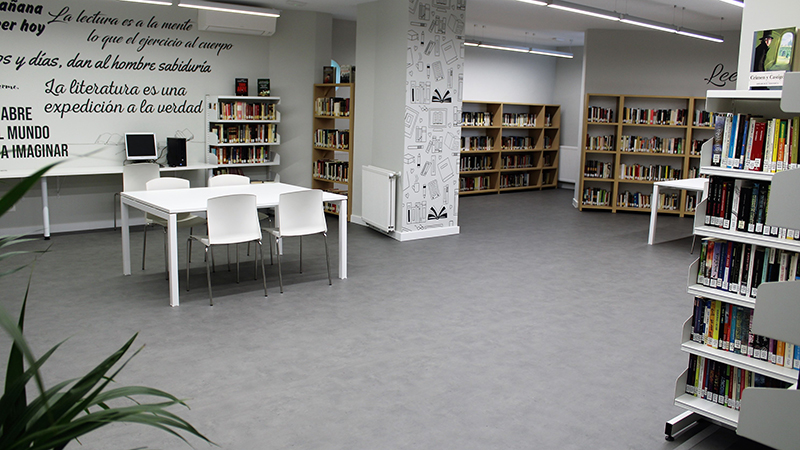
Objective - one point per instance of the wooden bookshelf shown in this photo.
(241, 133)
(630, 142)
(783, 219)
(508, 147)
(332, 145)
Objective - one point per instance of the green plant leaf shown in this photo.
(18, 191)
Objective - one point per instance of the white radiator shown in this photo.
(378, 196)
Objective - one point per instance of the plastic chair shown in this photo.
(232, 219)
(300, 214)
(184, 220)
(134, 178)
(228, 179)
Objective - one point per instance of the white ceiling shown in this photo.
(510, 21)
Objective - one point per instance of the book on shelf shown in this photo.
(755, 143)
(328, 74)
(773, 55)
(241, 86)
(263, 87)
(347, 74)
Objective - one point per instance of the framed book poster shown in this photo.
(773, 54)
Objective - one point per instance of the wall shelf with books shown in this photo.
(242, 132)
(750, 234)
(332, 144)
(632, 142)
(513, 145)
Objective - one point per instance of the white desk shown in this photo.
(168, 203)
(63, 170)
(691, 184)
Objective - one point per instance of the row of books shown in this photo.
(746, 142)
(339, 139)
(696, 147)
(515, 180)
(517, 143)
(593, 196)
(332, 106)
(603, 143)
(242, 110)
(245, 133)
(728, 327)
(474, 183)
(242, 155)
(476, 143)
(331, 170)
(642, 116)
(742, 205)
(669, 201)
(600, 115)
(723, 384)
(519, 120)
(629, 199)
(655, 144)
(476, 119)
(516, 161)
(704, 118)
(598, 169)
(476, 162)
(652, 172)
(741, 268)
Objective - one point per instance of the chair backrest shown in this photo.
(135, 176)
(167, 183)
(228, 179)
(301, 213)
(233, 218)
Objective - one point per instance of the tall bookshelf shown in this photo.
(783, 217)
(241, 134)
(332, 149)
(632, 141)
(508, 147)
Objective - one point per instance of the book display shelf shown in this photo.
(633, 141)
(508, 147)
(241, 133)
(334, 119)
(750, 231)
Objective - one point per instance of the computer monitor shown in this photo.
(141, 147)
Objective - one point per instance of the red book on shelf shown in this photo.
(757, 152)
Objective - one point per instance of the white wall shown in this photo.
(500, 76)
(86, 202)
(762, 15)
(344, 41)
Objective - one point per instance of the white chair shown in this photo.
(228, 179)
(300, 214)
(184, 220)
(232, 219)
(134, 178)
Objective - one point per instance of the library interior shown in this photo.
(490, 224)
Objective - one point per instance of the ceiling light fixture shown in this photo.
(231, 8)
(151, 2)
(699, 35)
(630, 20)
(534, 2)
(585, 10)
(534, 51)
(738, 3)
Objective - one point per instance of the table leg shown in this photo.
(45, 209)
(126, 238)
(343, 239)
(653, 215)
(172, 231)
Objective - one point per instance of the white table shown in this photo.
(168, 203)
(63, 170)
(699, 185)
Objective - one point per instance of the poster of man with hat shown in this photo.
(773, 52)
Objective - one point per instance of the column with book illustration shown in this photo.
(241, 133)
(332, 149)
(750, 228)
(633, 141)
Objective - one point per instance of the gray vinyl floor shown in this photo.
(537, 327)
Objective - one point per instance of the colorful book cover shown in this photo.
(263, 87)
(241, 86)
(773, 55)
